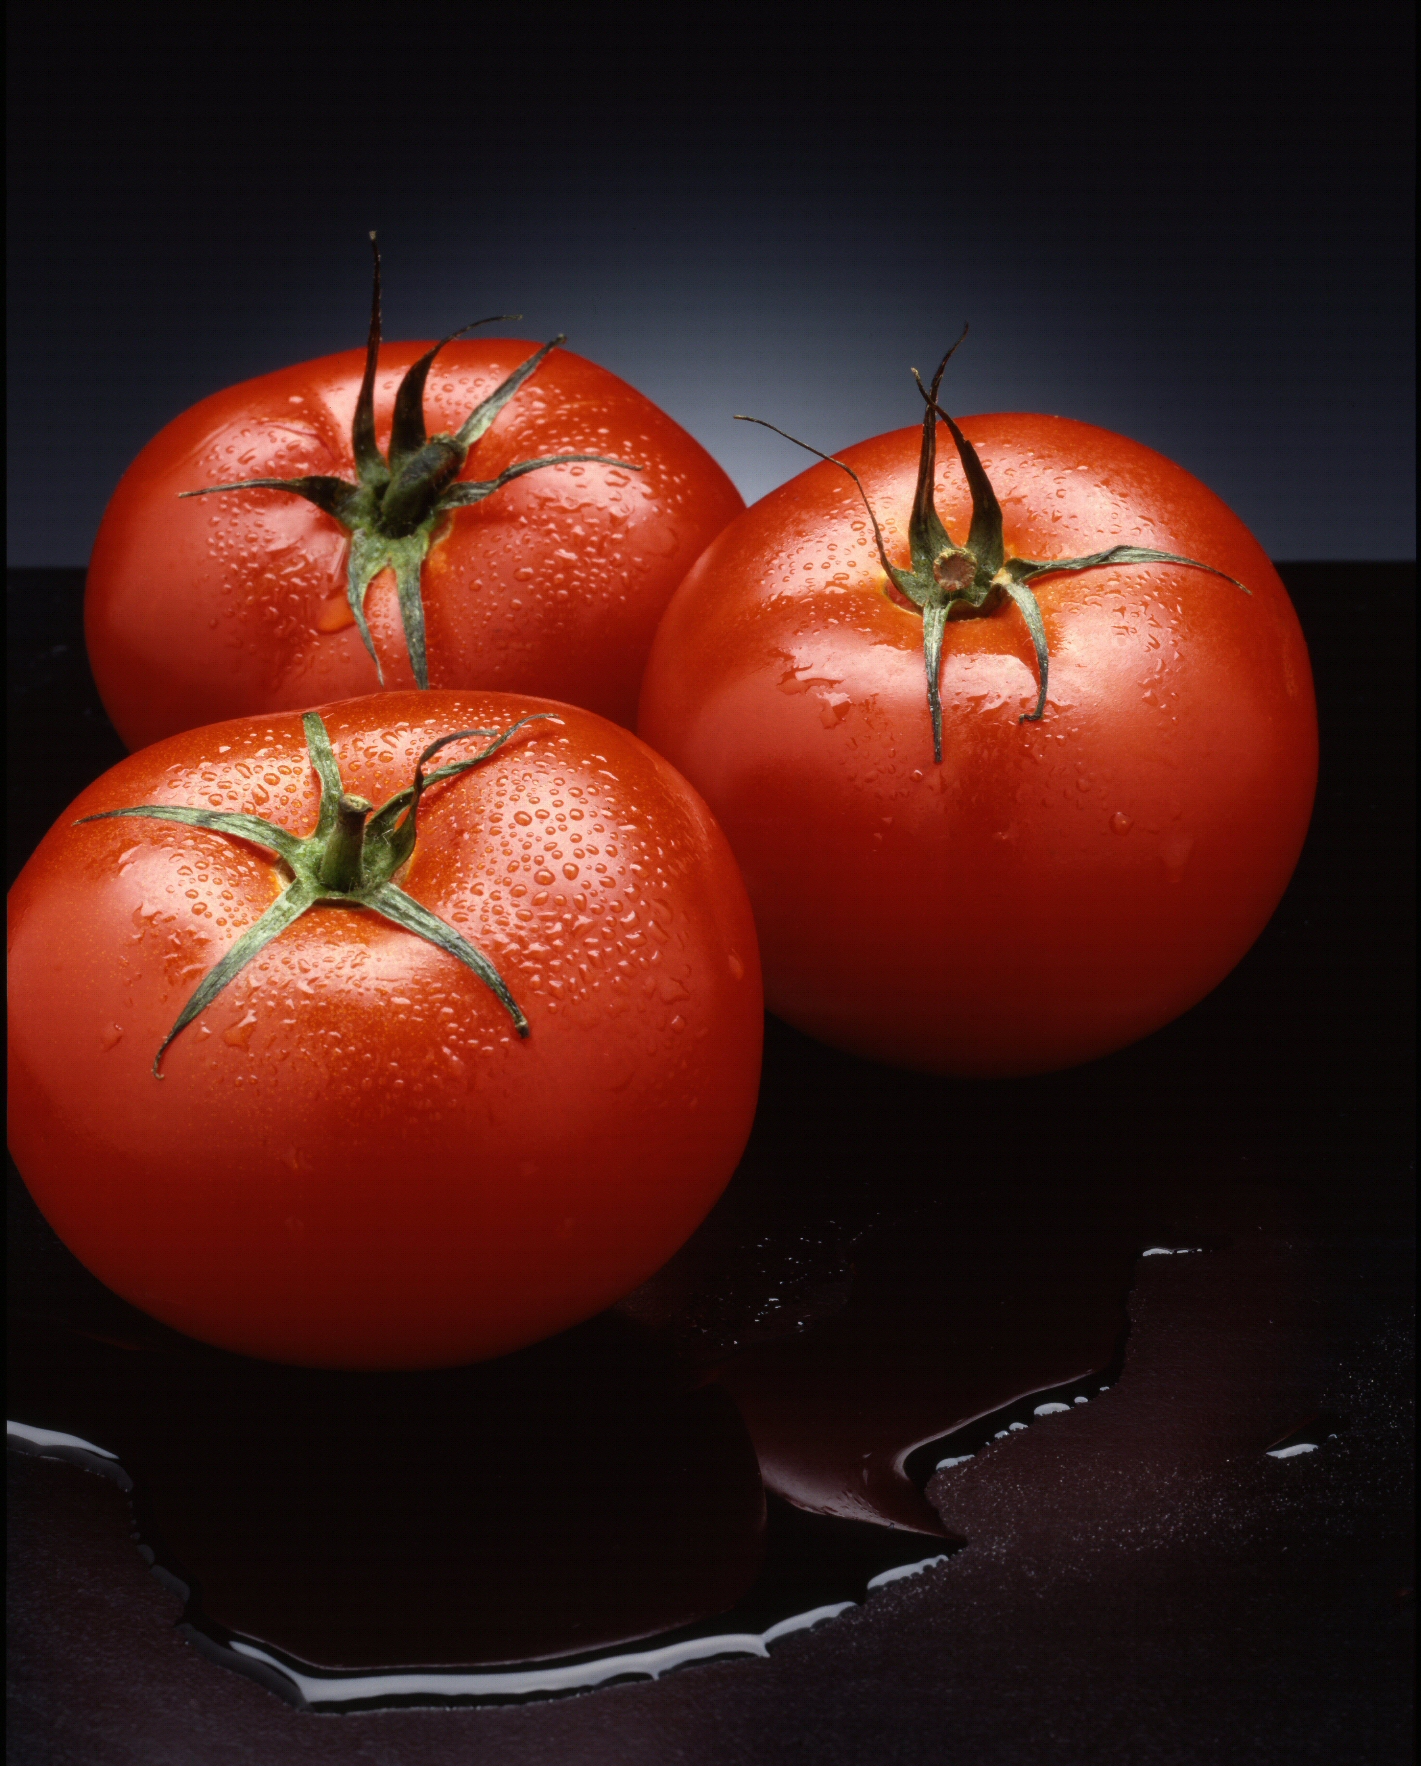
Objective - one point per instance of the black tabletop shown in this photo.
(1154, 1577)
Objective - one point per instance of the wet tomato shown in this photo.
(311, 1086)
(472, 514)
(1077, 823)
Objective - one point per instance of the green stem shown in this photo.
(341, 861)
(392, 509)
(349, 860)
(947, 581)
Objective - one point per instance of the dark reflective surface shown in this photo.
(848, 1316)
(606, 1487)
(896, 1257)
(568, 1499)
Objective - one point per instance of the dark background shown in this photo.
(1189, 227)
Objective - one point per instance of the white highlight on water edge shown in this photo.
(54, 1438)
(1172, 1251)
(651, 1663)
(1292, 1452)
(884, 1577)
(341, 1689)
(1052, 1408)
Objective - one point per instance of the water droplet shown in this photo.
(737, 968)
(1120, 823)
(109, 1036)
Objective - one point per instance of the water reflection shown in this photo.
(738, 1450)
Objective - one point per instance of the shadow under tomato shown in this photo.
(862, 1299)
(566, 1499)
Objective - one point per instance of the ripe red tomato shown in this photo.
(1051, 888)
(353, 1158)
(206, 607)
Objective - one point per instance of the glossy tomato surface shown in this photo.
(235, 604)
(352, 1159)
(1051, 890)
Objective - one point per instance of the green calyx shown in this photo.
(349, 861)
(395, 504)
(947, 581)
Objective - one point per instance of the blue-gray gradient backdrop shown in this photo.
(1189, 226)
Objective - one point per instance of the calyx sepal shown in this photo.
(395, 505)
(349, 860)
(946, 581)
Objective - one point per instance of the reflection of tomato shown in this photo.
(352, 1158)
(233, 605)
(1052, 889)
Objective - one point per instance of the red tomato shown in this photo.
(208, 607)
(1049, 890)
(353, 1158)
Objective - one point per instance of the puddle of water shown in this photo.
(735, 1454)
(596, 1508)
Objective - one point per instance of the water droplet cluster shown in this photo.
(562, 873)
(516, 588)
(277, 560)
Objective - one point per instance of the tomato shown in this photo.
(1074, 869)
(484, 1084)
(502, 570)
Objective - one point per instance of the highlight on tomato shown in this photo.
(485, 514)
(398, 1036)
(1017, 754)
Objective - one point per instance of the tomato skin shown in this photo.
(1053, 890)
(352, 1160)
(233, 605)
